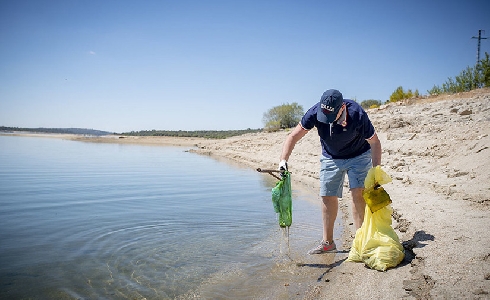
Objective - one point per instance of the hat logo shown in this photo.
(327, 109)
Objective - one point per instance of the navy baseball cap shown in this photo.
(330, 104)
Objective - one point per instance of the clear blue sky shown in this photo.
(217, 65)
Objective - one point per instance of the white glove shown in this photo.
(283, 165)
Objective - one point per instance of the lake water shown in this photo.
(111, 221)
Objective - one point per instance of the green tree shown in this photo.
(416, 94)
(400, 94)
(283, 116)
(484, 70)
(435, 90)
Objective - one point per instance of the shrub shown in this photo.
(400, 94)
(370, 103)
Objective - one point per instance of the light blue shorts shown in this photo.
(332, 173)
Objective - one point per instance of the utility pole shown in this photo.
(479, 42)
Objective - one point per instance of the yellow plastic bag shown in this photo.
(374, 195)
(376, 242)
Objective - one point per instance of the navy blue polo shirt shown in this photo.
(342, 140)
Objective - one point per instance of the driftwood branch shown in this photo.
(271, 172)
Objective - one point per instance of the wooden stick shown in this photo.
(270, 171)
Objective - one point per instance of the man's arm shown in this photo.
(295, 135)
(375, 149)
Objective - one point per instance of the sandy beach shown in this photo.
(437, 151)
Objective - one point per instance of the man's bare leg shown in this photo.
(329, 213)
(358, 207)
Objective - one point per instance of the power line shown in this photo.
(479, 42)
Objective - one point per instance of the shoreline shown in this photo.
(438, 155)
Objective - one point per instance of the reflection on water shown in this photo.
(91, 221)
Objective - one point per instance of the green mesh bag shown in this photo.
(282, 200)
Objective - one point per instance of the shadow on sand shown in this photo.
(415, 242)
(328, 267)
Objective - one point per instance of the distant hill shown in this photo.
(82, 131)
(209, 134)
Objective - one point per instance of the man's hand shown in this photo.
(283, 165)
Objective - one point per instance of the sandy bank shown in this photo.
(437, 150)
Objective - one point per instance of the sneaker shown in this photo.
(324, 247)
